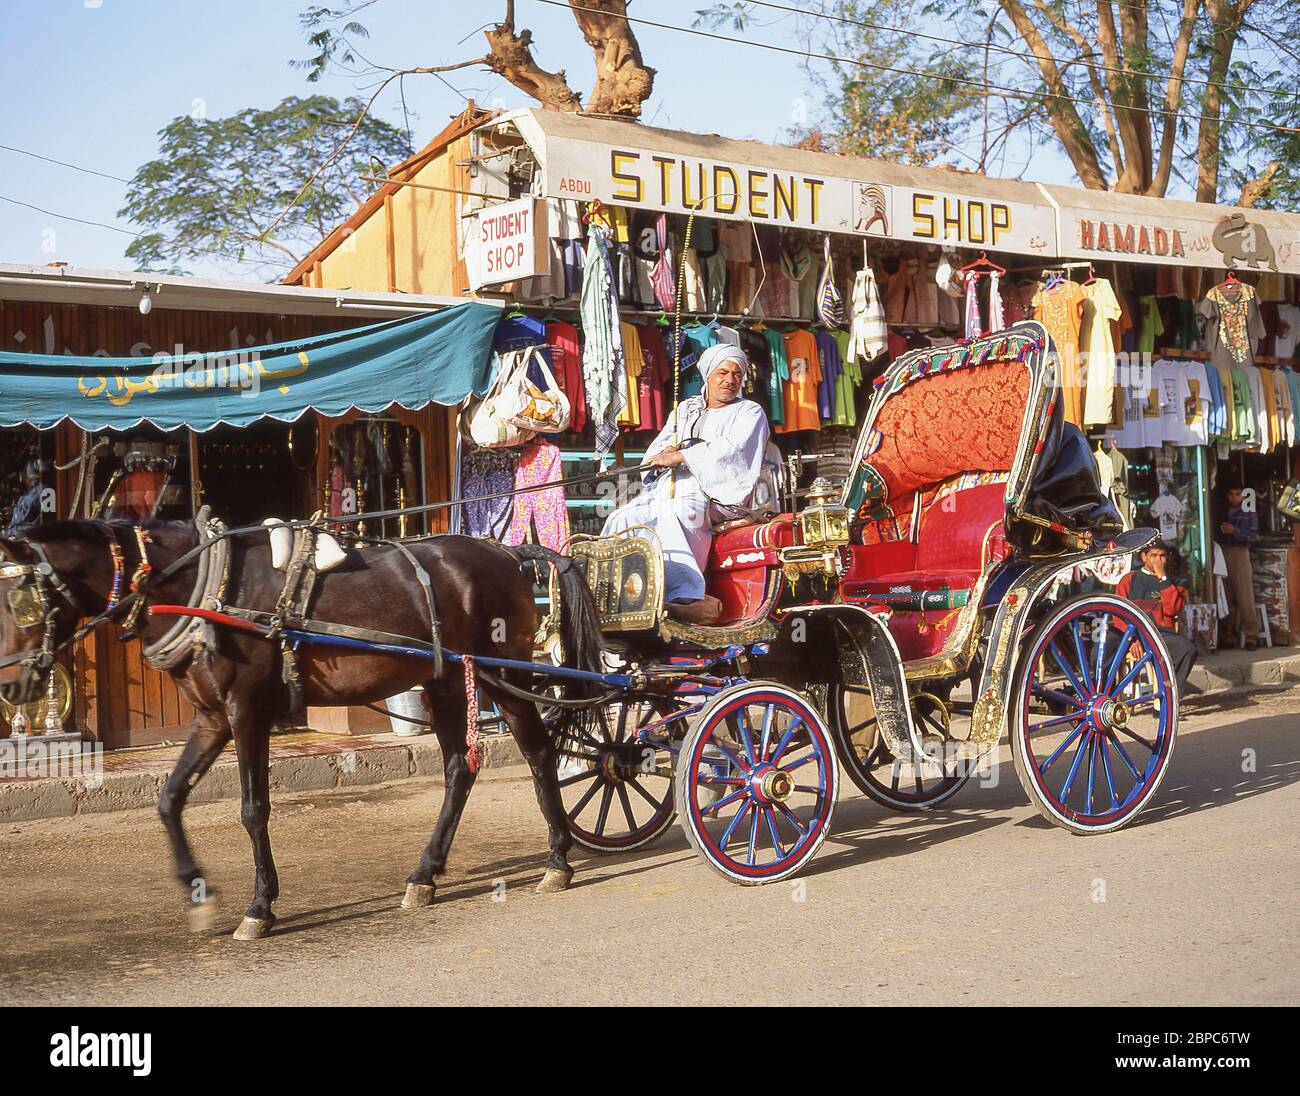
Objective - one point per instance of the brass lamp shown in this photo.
(824, 523)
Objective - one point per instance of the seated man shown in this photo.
(1154, 591)
(707, 461)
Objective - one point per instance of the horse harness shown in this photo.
(29, 605)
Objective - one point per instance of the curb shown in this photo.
(48, 797)
(381, 763)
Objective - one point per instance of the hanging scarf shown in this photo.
(603, 370)
(997, 317)
(972, 305)
(661, 278)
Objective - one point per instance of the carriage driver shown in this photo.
(707, 468)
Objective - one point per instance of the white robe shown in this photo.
(720, 471)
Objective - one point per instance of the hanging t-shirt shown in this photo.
(1287, 335)
(566, 364)
(633, 364)
(845, 411)
(1259, 407)
(1097, 349)
(1168, 510)
(780, 373)
(828, 358)
(801, 389)
(1198, 411)
(654, 389)
(1171, 379)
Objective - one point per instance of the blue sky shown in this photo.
(92, 81)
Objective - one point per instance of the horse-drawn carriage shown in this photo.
(896, 625)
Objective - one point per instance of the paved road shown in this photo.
(980, 903)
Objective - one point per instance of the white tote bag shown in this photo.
(524, 405)
(481, 420)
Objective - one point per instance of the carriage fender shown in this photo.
(867, 655)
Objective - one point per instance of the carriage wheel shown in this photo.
(617, 790)
(1095, 714)
(894, 783)
(756, 782)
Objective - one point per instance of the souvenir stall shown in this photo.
(253, 433)
(823, 268)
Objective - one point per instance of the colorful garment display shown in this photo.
(1233, 324)
(487, 472)
(545, 512)
(602, 348)
(1059, 308)
(800, 395)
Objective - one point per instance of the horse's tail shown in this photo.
(579, 620)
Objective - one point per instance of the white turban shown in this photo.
(718, 353)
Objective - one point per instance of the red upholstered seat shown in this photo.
(740, 563)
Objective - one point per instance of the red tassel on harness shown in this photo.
(475, 750)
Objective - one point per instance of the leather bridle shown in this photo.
(31, 605)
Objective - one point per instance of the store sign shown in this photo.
(1235, 241)
(625, 175)
(505, 243)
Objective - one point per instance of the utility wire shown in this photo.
(129, 232)
(1015, 93)
(64, 163)
(998, 48)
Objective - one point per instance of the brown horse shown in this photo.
(64, 571)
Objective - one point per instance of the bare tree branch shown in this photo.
(1261, 186)
(1174, 95)
(512, 57)
(623, 83)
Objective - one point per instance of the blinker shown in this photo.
(27, 606)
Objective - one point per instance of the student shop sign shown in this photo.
(504, 243)
(676, 183)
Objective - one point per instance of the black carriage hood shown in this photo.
(1065, 487)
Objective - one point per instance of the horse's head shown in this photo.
(37, 612)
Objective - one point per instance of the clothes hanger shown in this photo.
(515, 313)
(662, 319)
(1092, 275)
(984, 265)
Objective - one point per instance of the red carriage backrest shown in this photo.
(945, 424)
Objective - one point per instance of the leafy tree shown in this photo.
(225, 187)
(1140, 95)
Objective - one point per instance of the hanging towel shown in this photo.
(602, 349)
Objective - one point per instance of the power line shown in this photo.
(129, 232)
(996, 48)
(1015, 93)
(64, 163)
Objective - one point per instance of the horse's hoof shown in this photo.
(418, 895)
(555, 879)
(254, 928)
(203, 916)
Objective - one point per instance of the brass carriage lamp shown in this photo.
(824, 522)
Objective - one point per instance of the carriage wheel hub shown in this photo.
(1112, 715)
(774, 785)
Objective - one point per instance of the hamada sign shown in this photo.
(672, 182)
(506, 242)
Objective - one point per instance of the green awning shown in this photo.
(413, 361)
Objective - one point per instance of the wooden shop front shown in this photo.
(245, 473)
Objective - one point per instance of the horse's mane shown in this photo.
(55, 531)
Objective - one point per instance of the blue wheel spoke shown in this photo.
(1137, 738)
(793, 819)
(1061, 748)
(1144, 699)
(1119, 657)
(1058, 720)
(1133, 672)
(771, 827)
(1074, 770)
(767, 731)
(1082, 693)
(730, 756)
(795, 724)
(713, 808)
(1079, 654)
(802, 761)
(1110, 780)
(742, 724)
(1101, 648)
(1123, 753)
(735, 821)
(1092, 773)
(753, 835)
(1043, 692)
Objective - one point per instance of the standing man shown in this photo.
(1238, 531)
(1163, 600)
